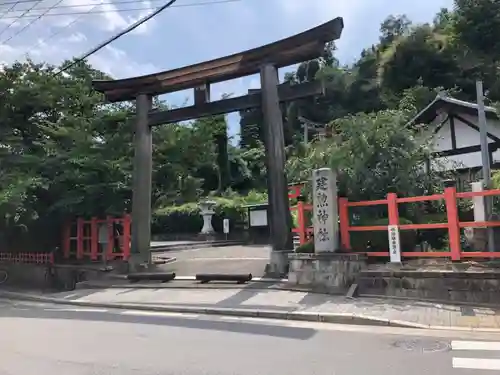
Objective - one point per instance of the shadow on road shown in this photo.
(253, 328)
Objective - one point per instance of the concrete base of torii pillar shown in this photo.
(278, 263)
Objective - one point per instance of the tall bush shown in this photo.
(186, 218)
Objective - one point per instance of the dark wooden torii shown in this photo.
(264, 60)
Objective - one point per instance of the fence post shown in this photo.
(450, 197)
(126, 236)
(301, 222)
(393, 228)
(344, 223)
(79, 238)
(93, 238)
(66, 244)
(108, 252)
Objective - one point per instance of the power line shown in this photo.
(13, 22)
(59, 31)
(12, 7)
(124, 10)
(19, 2)
(31, 22)
(120, 34)
(118, 2)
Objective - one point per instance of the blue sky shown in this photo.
(193, 31)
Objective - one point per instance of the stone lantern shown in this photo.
(207, 211)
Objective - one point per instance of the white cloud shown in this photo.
(56, 38)
(119, 64)
(115, 22)
(231, 27)
(103, 14)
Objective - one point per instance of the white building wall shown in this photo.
(465, 137)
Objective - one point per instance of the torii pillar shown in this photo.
(278, 214)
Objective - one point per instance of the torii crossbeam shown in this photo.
(264, 60)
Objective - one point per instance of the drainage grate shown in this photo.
(423, 346)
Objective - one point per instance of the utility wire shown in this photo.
(19, 2)
(120, 34)
(60, 30)
(118, 2)
(25, 12)
(31, 23)
(196, 4)
(10, 9)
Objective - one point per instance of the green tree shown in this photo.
(477, 26)
(422, 56)
(374, 153)
(392, 28)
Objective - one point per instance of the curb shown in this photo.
(221, 311)
(92, 284)
(257, 286)
(334, 318)
(194, 246)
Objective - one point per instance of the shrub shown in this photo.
(307, 248)
(379, 240)
(186, 218)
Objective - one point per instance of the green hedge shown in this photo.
(379, 240)
(186, 218)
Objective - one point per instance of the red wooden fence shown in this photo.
(83, 242)
(32, 258)
(453, 224)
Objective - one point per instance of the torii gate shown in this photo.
(264, 60)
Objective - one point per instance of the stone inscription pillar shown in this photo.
(325, 211)
(142, 175)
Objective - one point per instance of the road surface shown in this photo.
(227, 259)
(49, 339)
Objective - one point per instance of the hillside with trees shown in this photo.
(64, 154)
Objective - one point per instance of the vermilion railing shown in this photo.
(32, 258)
(295, 191)
(302, 229)
(453, 224)
(85, 239)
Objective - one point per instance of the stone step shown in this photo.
(451, 286)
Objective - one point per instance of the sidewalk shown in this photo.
(282, 304)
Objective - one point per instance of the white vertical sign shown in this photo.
(325, 210)
(394, 244)
(478, 202)
(225, 225)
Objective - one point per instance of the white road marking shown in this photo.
(185, 278)
(218, 259)
(475, 345)
(76, 310)
(71, 295)
(157, 313)
(476, 363)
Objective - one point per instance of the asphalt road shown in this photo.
(49, 339)
(228, 259)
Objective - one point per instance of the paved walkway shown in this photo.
(419, 313)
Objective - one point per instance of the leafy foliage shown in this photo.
(63, 153)
(374, 153)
